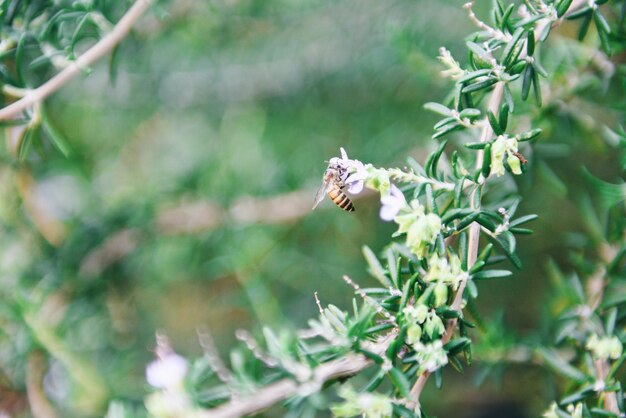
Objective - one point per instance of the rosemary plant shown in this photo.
(450, 234)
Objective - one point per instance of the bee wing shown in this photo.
(323, 190)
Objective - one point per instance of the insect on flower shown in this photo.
(333, 185)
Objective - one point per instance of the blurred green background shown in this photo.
(185, 200)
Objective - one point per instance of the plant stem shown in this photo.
(472, 248)
(101, 48)
(283, 389)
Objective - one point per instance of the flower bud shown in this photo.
(434, 326)
(515, 164)
(413, 334)
(441, 294)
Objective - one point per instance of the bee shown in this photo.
(333, 185)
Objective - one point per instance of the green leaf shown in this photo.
(375, 382)
(578, 396)
(57, 139)
(25, 143)
(470, 113)
(375, 268)
(475, 74)
(465, 222)
(392, 264)
(511, 51)
(444, 122)
(457, 345)
(522, 220)
(479, 85)
(503, 117)
(485, 221)
(433, 160)
(527, 79)
(495, 125)
(400, 382)
(537, 87)
(478, 51)
(491, 274)
(447, 130)
(20, 64)
(562, 7)
(603, 29)
(560, 366)
(527, 136)
(476, 145)
(530, 43)
(508, 98)
(486, 168)
(485, 253)
(584, 11)
(611, 317)
(584, 26)
(438, 108)
(505, 23)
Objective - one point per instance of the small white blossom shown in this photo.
(604, 348)
(366, 404)
(505, 146)
(552, 411)
(575, 411)
(416, 313)
(430, 356)
(392, 203)
(445, 270)
(454, 70)
(169, 369)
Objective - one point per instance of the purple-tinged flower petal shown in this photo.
(387, 213)
(392, 204)
(344, 155)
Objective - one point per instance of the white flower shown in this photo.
(551, 412)
(445, 270)
(575, 411)
(454, 70)
(604, 348)
(392, 203)
(430, 356)
(501, 147)
(168, 370)
(366, 404)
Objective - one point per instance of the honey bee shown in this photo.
(333, 185)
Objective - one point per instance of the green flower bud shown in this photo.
(434, 326)
(515, 164)
(441, 294)
(604, 348)
(413, 334)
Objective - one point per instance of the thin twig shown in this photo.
(101, 48)
(318, 303)
(212, 356)
(40, 405)
(283, 389)
(368, 299)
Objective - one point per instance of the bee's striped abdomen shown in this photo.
(341, 199)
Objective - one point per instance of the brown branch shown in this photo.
(40, 405)
(106, 44)
(269, 395)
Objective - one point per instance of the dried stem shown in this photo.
(101, 48)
